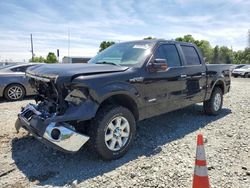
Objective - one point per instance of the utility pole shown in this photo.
(68, 42)
(57, 53)
(32, 51)
(248, 38)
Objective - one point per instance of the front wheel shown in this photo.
(214, 104)
(112, 132)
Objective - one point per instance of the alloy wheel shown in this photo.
(15, 92)
(117, 133)
(217, 101)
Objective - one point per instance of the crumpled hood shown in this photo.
(70, 71)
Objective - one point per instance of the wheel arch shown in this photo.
(219, 83)
(13, 83)
(121, 99)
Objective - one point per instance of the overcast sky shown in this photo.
(222, 22)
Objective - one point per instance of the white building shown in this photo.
(67, 59)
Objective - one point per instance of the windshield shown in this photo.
(6, 66)
(124, 54)
(15, 68)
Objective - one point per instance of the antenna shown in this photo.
(68, 42)
(32, 51)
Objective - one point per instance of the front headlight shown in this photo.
(77, 96)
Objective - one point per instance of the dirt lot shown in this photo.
(162, 156)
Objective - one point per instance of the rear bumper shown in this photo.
(58, 135)
(2, 86)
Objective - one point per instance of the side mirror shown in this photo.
(157, 65)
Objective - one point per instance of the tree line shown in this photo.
(212, 55)
(216, 55)
(50, 58)
(219, 54)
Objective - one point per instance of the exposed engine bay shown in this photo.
(54, 100)
(48, 97)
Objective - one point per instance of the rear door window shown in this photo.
(191, 55)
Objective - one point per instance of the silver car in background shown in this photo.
(243, 71)
(13, 83)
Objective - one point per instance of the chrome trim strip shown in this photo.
(152, 100)
(183, 76)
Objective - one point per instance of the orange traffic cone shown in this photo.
(200, 172)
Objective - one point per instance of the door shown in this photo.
(164, 91)
(195, 72)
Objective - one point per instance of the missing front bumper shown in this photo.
(59, 135)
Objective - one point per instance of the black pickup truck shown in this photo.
(99, 103)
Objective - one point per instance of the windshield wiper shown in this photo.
(106, 62)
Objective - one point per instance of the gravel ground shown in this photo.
(163, 154)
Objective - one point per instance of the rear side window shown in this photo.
(168, 52)
(17, 69)
(191, 55)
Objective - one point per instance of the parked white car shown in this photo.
(242, 71)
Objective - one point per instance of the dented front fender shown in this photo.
(82, 112)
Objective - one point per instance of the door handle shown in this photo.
(183, 76)
(203, 74)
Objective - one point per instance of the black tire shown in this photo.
(98, 130)
(246, 75)
(235, 76)
(210, 106)
(20, 95)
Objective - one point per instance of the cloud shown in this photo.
(90, 22)
(186, 19)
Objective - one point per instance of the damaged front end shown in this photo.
(59, 109)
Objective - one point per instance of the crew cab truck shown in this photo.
(99, 103)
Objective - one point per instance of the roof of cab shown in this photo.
(161, 40)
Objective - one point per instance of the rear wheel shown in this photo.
(112, 132)
(214, 104)
(246, 75)
(14, 92)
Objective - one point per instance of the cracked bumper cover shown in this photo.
(68, 140)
